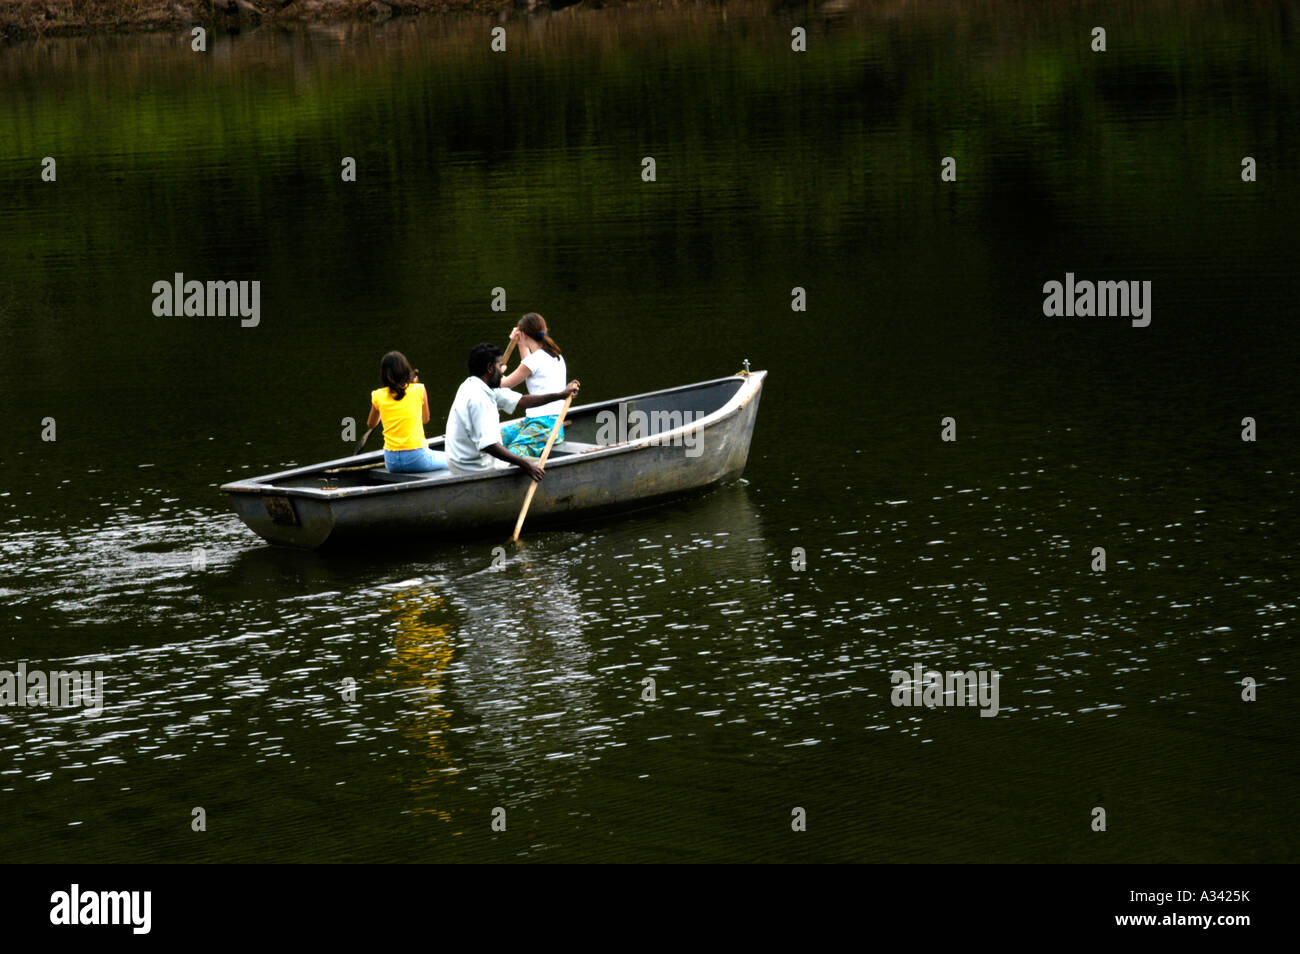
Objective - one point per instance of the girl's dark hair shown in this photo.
(395, 371)
(534, 325)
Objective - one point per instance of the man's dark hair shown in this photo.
(482, 358)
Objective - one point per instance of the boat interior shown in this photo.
(586, 429)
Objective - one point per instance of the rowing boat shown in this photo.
(623, 454)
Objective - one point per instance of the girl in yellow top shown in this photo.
(403, 406)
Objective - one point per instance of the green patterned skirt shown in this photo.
(527, 438)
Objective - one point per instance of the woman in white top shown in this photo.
(541, 365)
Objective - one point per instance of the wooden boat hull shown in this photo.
(309, 507)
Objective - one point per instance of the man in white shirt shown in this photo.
(474, 422)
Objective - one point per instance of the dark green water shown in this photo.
(521, 687)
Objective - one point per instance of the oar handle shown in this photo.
(546, 452)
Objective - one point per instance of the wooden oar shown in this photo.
(546, 452)
(364, 437)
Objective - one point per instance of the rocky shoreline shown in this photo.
(28, 19)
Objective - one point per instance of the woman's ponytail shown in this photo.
(534, 325)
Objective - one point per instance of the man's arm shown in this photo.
(537, 400)
(500, 453)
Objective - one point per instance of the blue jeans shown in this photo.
(417, 461)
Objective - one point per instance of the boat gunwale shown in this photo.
(751, 384)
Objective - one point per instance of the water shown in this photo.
(521, 687)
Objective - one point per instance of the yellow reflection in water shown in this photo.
(419, 671)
